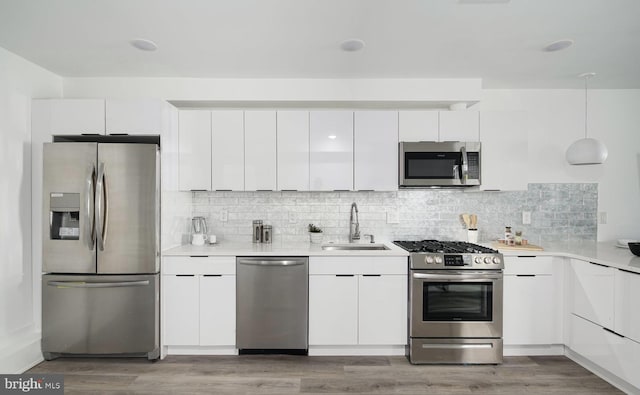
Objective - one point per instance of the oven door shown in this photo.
(450, 303)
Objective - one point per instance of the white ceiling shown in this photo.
(499, 41)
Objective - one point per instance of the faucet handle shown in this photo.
(372, 237)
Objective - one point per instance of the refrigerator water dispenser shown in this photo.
(64, 217)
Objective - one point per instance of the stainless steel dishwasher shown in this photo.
(272, 305)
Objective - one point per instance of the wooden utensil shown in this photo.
(473, 221)
(467, 220)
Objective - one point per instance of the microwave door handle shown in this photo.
(465, 165)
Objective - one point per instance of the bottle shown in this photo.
(257, 231)
(508, 236)
(518, 238)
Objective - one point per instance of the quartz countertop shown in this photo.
(224, 248)
(605, 253)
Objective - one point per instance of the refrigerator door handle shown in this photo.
(102, 207)
(82, 284)
(90, 214)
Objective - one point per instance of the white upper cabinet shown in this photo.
(418, 125)
(137, 116)
(459, 126)
(260, 150)
(227, 150)
(504, 150)
(68, 116)
(293, 150)
(194, 150)
(331, 150)
(376, 150)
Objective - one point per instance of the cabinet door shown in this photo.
(227, 150)
(331, 150)
(459, 126)
(260, 150)
(136, 116)
(293, 150)
(382, 315)
(194, 150)
(181, 305)
(530, 303)
(504, 150)
(593, 292)
(333, 310)
(217, 310)
(627, 295)
(376, 150)
(69, 116)
(418, 126)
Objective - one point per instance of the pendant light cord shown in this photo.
(586, 78)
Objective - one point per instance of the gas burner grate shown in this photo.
(444, 247)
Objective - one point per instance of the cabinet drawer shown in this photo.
(199, 265)
(528, 265)
(358, 265)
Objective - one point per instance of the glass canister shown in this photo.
(257, 231)
(267, 234)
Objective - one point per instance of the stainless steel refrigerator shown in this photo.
(101, 249)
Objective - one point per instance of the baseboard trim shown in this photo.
(533, 350)
(20, 353)
(604, 374)
(201, 350)
(356, 350)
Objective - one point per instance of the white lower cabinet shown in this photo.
(627, 295)
(217, 310)
(181, 310)
(357, 301)
(532, 305)
(613, 352)
(382, 310)
(593, 292)
(199, 301)
(333, 310)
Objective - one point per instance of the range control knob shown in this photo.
(428, 259)
(496, 260)
(487, 260)
(439, 260)
(478, 259)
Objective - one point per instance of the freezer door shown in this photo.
(68, 208)
(100, 314)
(128, 208)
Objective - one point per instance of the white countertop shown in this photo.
(605, 253)
(278, 249)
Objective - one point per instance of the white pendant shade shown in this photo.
(587, 151)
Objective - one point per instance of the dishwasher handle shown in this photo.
(109, 284)
(272, 261)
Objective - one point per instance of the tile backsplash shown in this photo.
(559, 212)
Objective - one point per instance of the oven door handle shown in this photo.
(458, 277)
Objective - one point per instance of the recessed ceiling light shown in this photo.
(483, 1)
(332, 136)
(558, 45)
(144, 44)
(352, 45)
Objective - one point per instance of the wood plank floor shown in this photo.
(268, 374)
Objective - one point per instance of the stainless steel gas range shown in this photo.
(455, 302)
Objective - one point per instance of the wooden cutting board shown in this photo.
(526, 247)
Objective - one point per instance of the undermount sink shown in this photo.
(354, 247)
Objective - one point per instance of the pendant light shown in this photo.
(586, 151)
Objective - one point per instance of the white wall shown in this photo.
(20, 81)
(556, 119)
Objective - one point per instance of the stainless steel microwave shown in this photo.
(439, 164)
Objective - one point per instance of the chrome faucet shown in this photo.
(354, 226)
